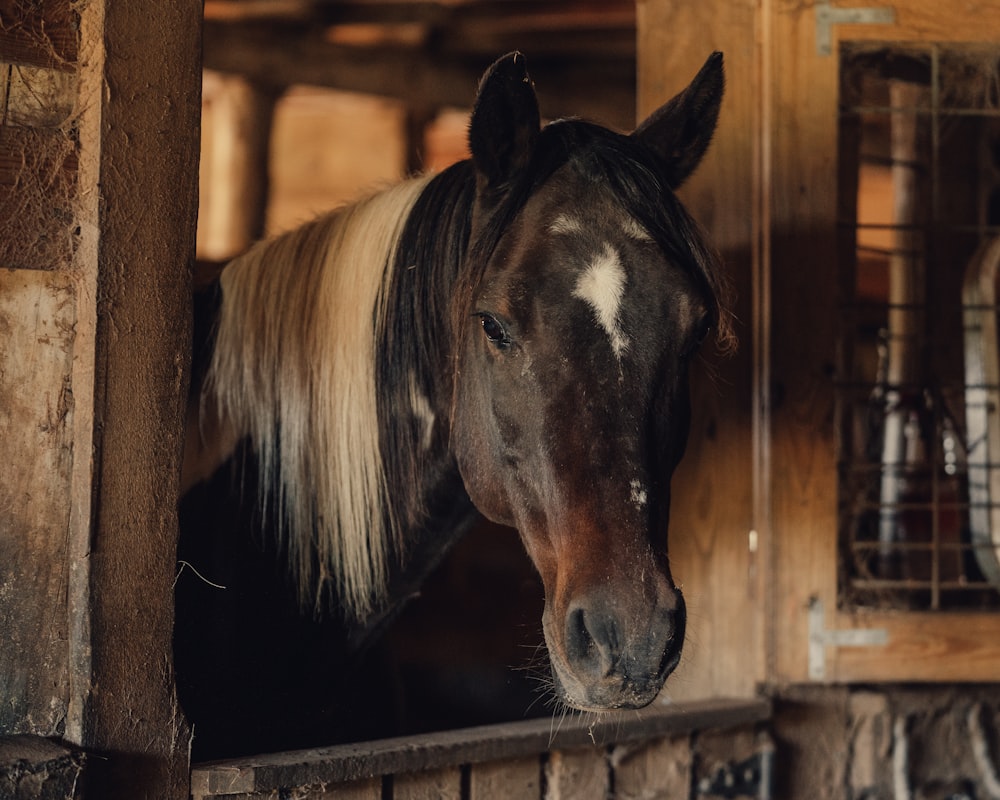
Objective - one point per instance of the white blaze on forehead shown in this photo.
(602, 286)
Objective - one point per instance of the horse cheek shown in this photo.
(476, 453)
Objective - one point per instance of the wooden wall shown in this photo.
(94, 314)
(762, 458)
(716, 501)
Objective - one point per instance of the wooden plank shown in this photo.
(928, 21)
(581, 774)
(661, 768)
(803, 208)
(37, 328)
(715, 501)
(467, 746)
(519, 777)
(921, 647)
(435, 784)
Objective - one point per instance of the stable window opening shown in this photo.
(918, 394)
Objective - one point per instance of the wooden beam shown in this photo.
(467, 746)
(141, 154)
(284, 55)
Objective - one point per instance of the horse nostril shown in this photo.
(592, 641)
(580, 645)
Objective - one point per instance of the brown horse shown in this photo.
(510, 337)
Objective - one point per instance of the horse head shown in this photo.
(588, 290)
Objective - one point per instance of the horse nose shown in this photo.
(623, 654)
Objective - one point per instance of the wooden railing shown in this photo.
(631, 754)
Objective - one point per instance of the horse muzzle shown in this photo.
(610, 653)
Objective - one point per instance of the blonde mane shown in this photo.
(293, 369)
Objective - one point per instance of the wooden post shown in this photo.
(719, 511)
(235, 172)
(98, 171)
(144, 160)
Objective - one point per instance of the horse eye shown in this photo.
(699, 336)
(704, 328)
(494, 331)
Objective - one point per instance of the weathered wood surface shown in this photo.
(33, 768)
(40, 34)
(37, 331)
(142, 158)
(577, 773)
(715, 500)
(331, 765)
(659, 768)
(436, 784)
(520, 777)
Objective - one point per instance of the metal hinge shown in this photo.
(749, 778)
(827, 16)
(820, 638)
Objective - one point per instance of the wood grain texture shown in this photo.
(145, 161)
(579, 774)
(37, 329)
(803, 202)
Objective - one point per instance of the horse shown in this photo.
(510, 338)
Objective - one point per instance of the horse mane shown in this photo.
(294, 369)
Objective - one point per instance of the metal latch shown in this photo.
(827, 16)
(821, 638)
(751, 777)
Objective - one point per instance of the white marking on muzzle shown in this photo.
(602, 286)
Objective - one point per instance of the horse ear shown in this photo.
(505, 121)
(681, 130)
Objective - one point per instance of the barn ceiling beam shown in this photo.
(599, 84)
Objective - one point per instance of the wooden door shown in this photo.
(821, 628)
(757, 537)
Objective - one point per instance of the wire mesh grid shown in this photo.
(918, 400)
